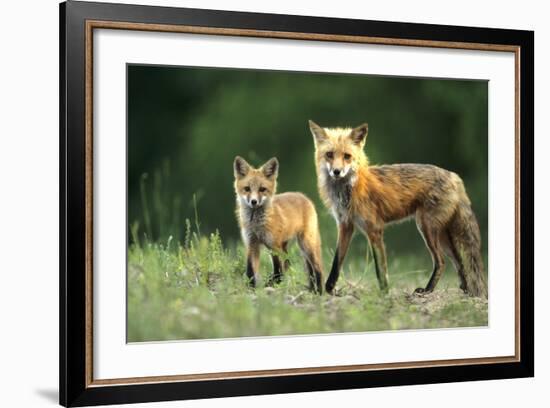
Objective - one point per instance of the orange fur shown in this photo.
(272, 220)
(369, 197)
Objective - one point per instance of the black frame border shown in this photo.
(72, 127)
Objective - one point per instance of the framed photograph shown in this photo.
(256, 204)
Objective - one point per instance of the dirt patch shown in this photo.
(433, 302)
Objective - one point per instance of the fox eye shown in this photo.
(347, 156)
(262, 189)
(329, 155)
(247, 189)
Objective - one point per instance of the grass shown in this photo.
(196, 289)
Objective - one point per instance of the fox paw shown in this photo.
(421, 291)
(252, 283)
(273, 281)
(329, 289)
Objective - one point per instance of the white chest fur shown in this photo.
(339, 193)
(253, 227)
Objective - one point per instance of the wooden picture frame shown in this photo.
(78, 20)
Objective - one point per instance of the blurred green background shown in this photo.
(186, 125)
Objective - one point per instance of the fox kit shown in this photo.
(272, 220)
(370, 197)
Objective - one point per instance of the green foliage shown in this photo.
(198, 290)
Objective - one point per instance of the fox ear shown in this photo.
(318, 132)
(359, 134)
(240, 167)
(271, 168)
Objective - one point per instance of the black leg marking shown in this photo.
(250, 273)
(318, 281)
(315, 280)
(334, 272)
(277, 271)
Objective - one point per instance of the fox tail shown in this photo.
(465, 237)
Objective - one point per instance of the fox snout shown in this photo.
(253, 200)
(337, 172)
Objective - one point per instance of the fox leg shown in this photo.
(315, 278)
(311, 250)
(431, 235)
(455, 257)
(345, 232)
(279, 267)
(376, 239)
(253, 264)
(277, 271)
(286, 263)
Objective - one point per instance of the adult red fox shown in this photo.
(370, 197)
(272, 220)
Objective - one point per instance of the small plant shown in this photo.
(196, 289)
(185, 283)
